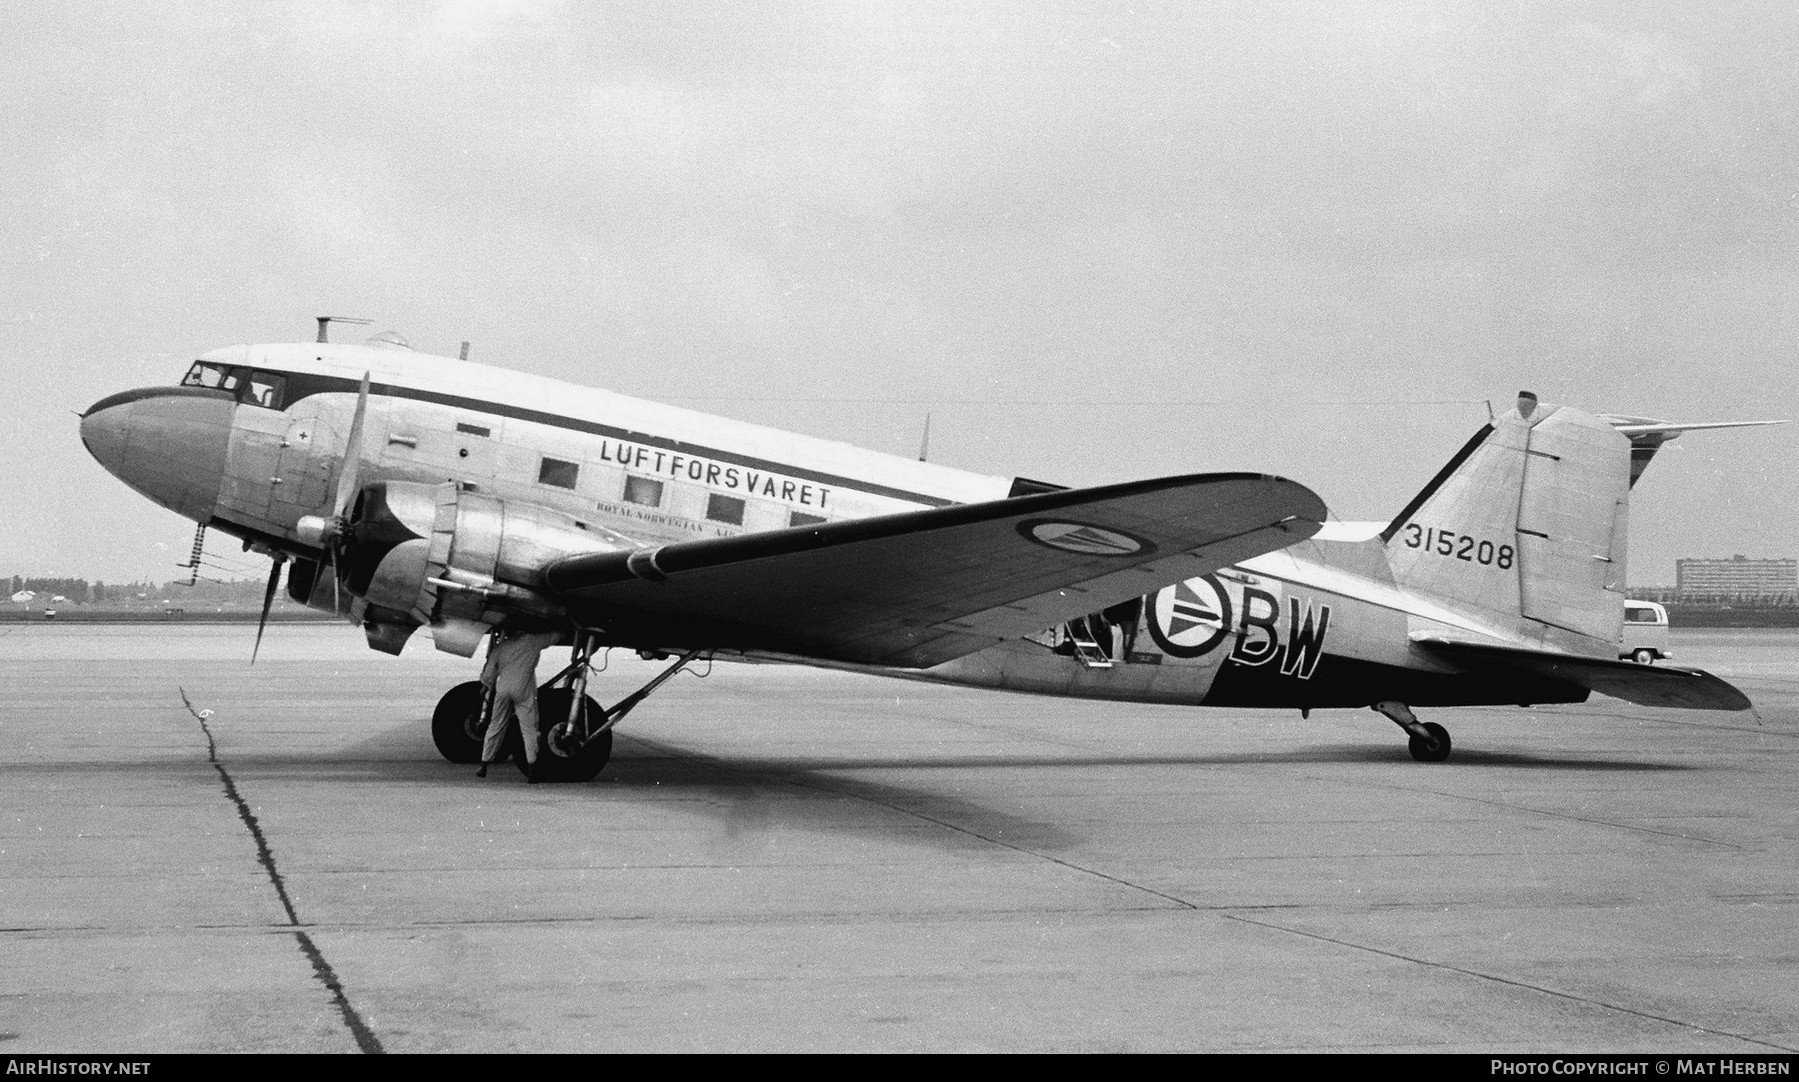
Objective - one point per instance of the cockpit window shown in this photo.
(207, 374)
(267, 390)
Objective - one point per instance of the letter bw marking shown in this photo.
(1258, 633)
(1305, 639)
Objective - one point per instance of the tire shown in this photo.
(1434, 750)
(1645, 656)
(456, 726)
(552, 765)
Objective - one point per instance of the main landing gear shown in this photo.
(1429, 741)
(574, 733)
(576, 748)
(459, 722)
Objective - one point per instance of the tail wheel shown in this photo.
(456, 726)
(1434, 749)
(559, 759)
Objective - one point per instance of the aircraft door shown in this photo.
(1125, 618)
(314, 439)
(251, 465)
(1102, 639)
(304, 475)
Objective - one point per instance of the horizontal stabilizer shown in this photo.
(919, 588)
(1647, 435)
(1645, 685)
(1643, 426)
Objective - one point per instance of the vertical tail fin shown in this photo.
(1528, 523)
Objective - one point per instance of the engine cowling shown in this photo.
(454, 560)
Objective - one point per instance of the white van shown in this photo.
(1645, 632)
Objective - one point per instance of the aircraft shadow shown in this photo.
(744, 797)
(632, 767)
(1478, 757)
(636, 761)
(626, 759)
(872, 795)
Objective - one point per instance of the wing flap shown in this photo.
(922, 587)
(1645, 685)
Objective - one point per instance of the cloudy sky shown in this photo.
(1093, 241)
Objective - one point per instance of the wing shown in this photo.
(919, 588)
(1645, 685)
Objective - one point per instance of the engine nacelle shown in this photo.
(457, 561)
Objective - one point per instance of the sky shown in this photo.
(1093, 242)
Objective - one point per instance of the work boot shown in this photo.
(531, 773)
(482, 773)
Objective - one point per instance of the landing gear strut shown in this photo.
(575, 738)
(1429, 741)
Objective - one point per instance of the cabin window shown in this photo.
(643, 490)
(1640, 616)
(800, 518)
(724, 509)
(266, 390)
(556, 472)
(473, 430)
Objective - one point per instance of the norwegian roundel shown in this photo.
(1084, 538)
(1191, 618)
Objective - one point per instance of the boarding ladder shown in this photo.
(1087, 649)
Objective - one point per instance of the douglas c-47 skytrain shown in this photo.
(406, 491)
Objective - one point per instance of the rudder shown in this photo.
(1527, 523)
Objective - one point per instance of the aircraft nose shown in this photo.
(169, 443)
(103, 432)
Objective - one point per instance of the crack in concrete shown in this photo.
(1507, 981)
(321, 969)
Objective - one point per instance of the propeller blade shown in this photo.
(268, 601)
(346, 477)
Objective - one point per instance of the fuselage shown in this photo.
(255, 437)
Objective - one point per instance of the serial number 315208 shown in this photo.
(1459, 546)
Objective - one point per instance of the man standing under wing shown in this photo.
(510, 676)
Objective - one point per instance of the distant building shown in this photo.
(25, 597)
(1738, 576)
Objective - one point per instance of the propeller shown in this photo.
(346, 478)
(346, 486)
(329, 532)
(268, 600)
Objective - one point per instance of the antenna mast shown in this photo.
(326, 321)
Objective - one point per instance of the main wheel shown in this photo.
(557, 758)
(456, 726)
(1433, 750)
(1645, 656)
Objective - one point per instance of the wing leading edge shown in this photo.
(919, 588)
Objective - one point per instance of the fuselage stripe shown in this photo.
(305, 384)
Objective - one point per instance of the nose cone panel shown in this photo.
(169, 443)
(104, 431)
